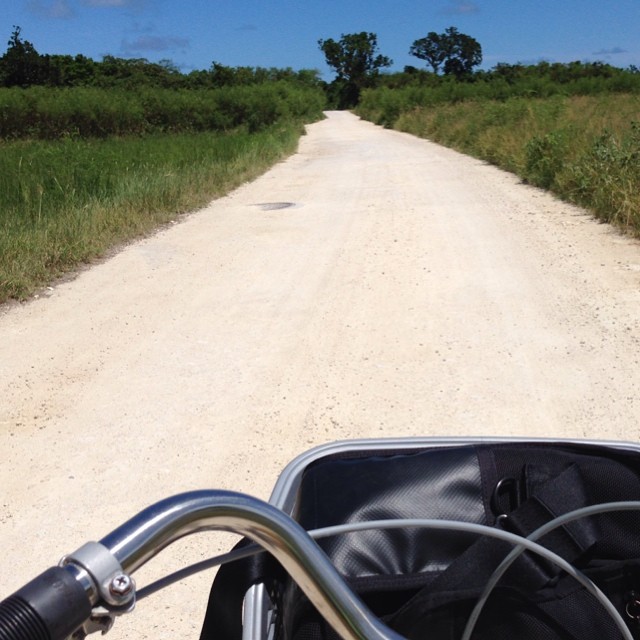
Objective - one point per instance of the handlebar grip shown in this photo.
(50, 607)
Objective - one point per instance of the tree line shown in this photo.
(448, 57)
(450, 71)
(22, 66)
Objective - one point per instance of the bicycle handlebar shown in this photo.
(98, 573)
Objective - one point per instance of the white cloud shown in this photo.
(105, 3)
(154, 43)
(52, 9)
(461, 7)
(609, 52)
(137, 4)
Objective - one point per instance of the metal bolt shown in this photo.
(121, 585)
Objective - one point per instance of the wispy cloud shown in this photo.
(110, 3)
(51, 9)
(609, 52)
(145, 43)
(461, 7)
(62, 9)
(533, 61)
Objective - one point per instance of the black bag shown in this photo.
(425, 583)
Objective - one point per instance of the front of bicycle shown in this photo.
(395, 523)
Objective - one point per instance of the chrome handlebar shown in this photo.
(110, 562)
(142, 537)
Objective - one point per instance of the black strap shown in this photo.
(465, 578)
(223, 618)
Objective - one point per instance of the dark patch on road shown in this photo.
(274, 206)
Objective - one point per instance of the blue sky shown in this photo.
(284, 33)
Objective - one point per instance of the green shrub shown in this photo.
(606, 177)
(545, 156)
(49, 114)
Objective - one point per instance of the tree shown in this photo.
(463, 53)
(68, 71)
(21, 65)
(357, 63)
(456, 52)
(432, 48)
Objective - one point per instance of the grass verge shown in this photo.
(67, 202)
(585, 149)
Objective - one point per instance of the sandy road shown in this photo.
(409, 290)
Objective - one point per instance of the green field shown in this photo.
(67, 202)
(83, 169)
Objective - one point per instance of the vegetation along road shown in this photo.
(374, 284)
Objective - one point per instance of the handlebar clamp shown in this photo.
(111, 591)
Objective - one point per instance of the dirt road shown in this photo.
(407, 290)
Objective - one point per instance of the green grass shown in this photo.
(66, 202)
(586, 149)
(50, 113)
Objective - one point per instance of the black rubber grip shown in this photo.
(51, 607)
(19, 621)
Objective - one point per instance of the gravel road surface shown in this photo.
(374, 284)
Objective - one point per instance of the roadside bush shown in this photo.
(47, 113)
(545, 156)
(607, 178)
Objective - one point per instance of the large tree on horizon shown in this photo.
(356, 61)
(457, 53)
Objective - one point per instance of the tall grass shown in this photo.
(66, 202)
(48, 113)
(400, 92)
(586, 149)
